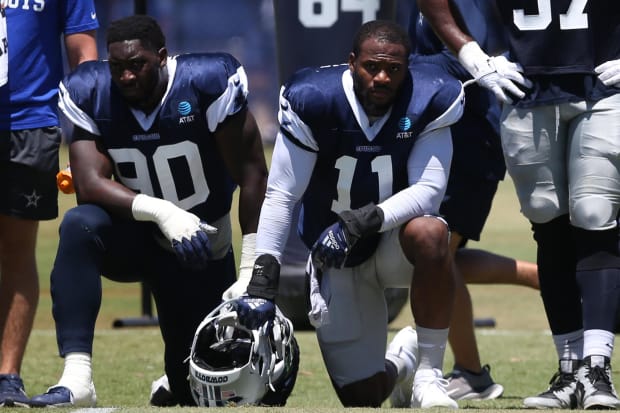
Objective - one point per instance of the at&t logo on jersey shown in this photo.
(404, 124)
(185, 108)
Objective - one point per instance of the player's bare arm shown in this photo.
(444, 18)
(503, 77)
(241, 147)
(80, 47)
(92, 176)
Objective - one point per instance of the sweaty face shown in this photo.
(136, 71)
(378, 73)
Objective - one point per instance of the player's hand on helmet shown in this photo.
(503, 77)
(336, 241)
(186, 232)
(256, 309)
(255, 313)
(609, 73)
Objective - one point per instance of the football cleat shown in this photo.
(404, 346)
(429, 390)
(161, 395)
(465, 385)
(60, 396)
(562, 391)
(594, 384)
(12, 391)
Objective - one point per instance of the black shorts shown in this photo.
(28, 166)
(467, 204)
(477, 167)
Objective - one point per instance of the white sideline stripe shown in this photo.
(104, 332)
(511, 333)
(94, 410)
(156, 332)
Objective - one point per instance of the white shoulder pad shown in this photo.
(228, 104)
(291, 124)
(450, 116)
(76, 115)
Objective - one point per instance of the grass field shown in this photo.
(126, 360)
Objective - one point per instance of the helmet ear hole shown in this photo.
(230, 365)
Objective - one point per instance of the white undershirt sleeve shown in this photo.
(289, 175)
(428, 168)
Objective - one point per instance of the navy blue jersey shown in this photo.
(478, 151)
(559, 43)
(346, 174)
(172, 153)
(562, 36)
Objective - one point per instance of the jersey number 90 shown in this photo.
(142, 181)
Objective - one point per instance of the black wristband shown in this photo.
(361, 222)
(265, 278)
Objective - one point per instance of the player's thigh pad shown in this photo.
(594, 162)
(534, 142)
(353, 343)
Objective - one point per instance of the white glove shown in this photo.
(497, 74)
(185, 231)
(609, 73)
(246, 263)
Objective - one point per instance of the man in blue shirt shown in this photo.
(30, 138)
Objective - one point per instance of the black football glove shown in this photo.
(257, 309)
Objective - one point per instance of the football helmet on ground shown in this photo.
(231, 365)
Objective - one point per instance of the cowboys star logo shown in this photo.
(32, 200)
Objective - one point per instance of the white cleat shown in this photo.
(429, 390)
(404, 346)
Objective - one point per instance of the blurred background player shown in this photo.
(159, 145)
(29, 158)
(368, 156)
(560, 128)
(476, 169)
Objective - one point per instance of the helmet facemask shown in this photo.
(231, 365)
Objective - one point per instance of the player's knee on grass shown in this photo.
(370, 392)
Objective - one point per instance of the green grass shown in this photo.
(125, 361)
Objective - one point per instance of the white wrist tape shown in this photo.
(475, 60)
(246, 265)
(148, 208)
(174, 222)
(248, 255)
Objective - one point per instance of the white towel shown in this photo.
(318, 315)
